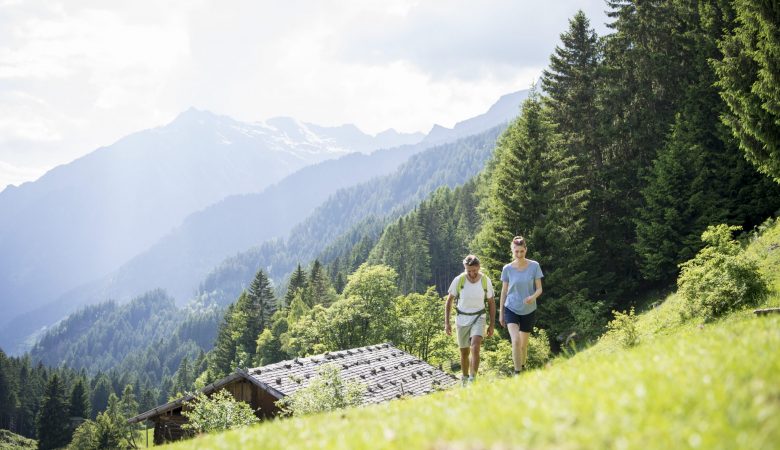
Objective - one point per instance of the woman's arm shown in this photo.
(537, 292)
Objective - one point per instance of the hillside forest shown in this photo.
(636, 142)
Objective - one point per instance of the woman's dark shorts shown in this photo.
(526, 321)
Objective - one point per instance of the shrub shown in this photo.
(497, 353)
(719, 279)
(623, 328)
(218, 413)
(539, 351)
(325, 393)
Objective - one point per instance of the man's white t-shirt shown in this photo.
(472, 297)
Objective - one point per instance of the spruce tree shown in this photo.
(700, 177)
(644, 74)
(297, 282)
(319, 291)
(53, 421)
(749, 76)
(536, 192)
(79, 401)
(222, 355)
(100, 394)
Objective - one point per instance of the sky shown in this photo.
(81, 74)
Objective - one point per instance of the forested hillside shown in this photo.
(445, 165)
(626, 175)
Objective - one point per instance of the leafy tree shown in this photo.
(218, 413)
(269, 344)
(54, 422)
(327, 392)
(720, 279)
(420, 317)
(749, 76)
(85, 437)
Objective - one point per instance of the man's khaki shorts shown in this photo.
(476, 329)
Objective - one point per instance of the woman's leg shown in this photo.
(523, 338)
(514, 334)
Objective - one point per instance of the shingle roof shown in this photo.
(386, 371)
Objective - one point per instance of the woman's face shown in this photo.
(518, 251)
(472, 271)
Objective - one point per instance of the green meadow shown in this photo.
(685, 384)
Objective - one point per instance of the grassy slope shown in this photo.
(686, 385)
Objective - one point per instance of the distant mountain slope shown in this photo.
(83, 219)
(504, 110)
(182, 258)
(446, 165)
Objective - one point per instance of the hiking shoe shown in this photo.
(464, 381)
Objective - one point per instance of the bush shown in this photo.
(497, 353)
(719, 279)
(9, 441)
(218, 413)
(623, 328)
(539, 351)
(325, 393)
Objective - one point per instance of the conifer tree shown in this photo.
(79, 401)
(222, 355)
(297, 282)
(536, 193)
(700, 177)
(54, 422)
(100, 394)
(8, 399)
(749, 76)
(319, 291)
(644, 74)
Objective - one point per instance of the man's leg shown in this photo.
(476, 343)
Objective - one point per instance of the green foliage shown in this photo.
(53, 422)
(327, 392)
(720, 279)
(623, 328)
(749, 77)
(12, 441)
(420, 318)
(217, 413)
(79, 401)
(110, 429)
(700, 176)
(536, 192)
(85, 437)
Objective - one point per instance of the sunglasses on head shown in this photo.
(518, 241)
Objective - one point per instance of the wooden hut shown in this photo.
(386, 371)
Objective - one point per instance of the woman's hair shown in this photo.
(471, 261)
(519, 240)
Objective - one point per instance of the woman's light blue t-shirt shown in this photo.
(521, 285)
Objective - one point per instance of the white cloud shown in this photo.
(80, 74)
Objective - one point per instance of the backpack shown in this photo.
(459, 287)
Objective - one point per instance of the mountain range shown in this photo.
(162, 207)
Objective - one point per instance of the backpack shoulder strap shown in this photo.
(461, 283)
